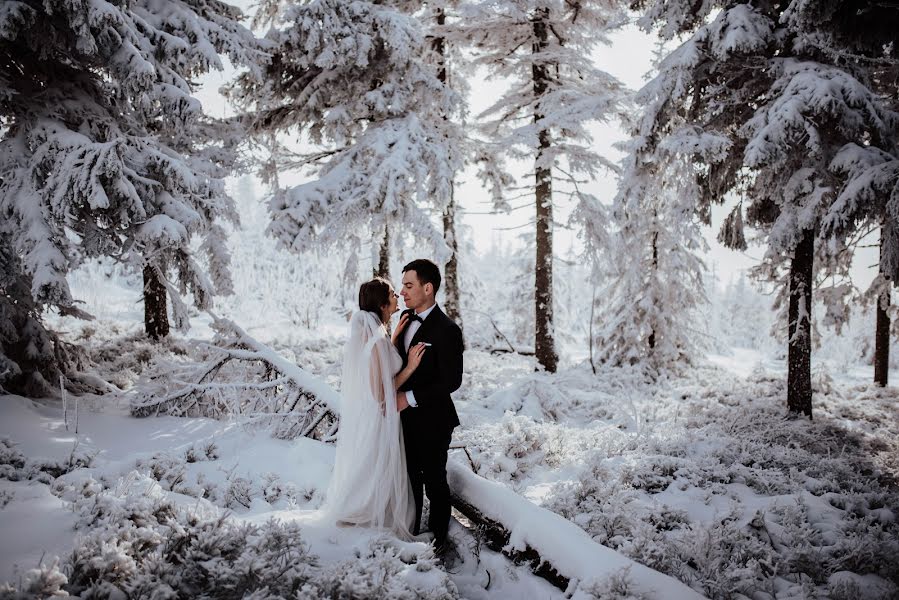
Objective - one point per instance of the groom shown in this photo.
(428, 413)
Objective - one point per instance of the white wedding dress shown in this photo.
(369, 486)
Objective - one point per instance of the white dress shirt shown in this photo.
(410, 332)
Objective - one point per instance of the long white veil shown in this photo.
(369, 485)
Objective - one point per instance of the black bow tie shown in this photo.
(414, 317)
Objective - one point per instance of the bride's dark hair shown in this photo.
(374, 295)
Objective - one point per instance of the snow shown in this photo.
(740, 29)
(304, 380)
(561, 543)
(36, 525)
(675, 475)
(606, 475)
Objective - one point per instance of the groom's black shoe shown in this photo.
(441, 545)
(446, 553)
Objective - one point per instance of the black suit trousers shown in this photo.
(426, 454)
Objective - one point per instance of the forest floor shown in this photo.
(700, 474)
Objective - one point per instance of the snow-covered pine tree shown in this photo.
(650, 273)
(518, 284)
(864, 35)
(575, 296)
(882, 289)
(763, 113)
(645, 252)
(543, 47)
(356, 79)
(105, 152)
(748, 315)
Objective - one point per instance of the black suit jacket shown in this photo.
(438, 375)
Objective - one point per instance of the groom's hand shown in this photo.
(401, 403)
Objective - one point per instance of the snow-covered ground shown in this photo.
(701, 475)
(53, 479)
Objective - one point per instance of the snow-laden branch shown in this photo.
(300, 377)
(265, 390)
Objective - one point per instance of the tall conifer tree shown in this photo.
(105, 153)
(543, 47)
(358, 82)
(764, 108)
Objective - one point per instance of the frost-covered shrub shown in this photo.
(722, 557)
(203, 488)
(655, 473)
(122, 357)
(759, 502)
(615, 587)
(138, 544)
(46, 581)
(172, 473)
(238, 493)
(511, 449)
(14, 466)
(381, 573)
(168, 471)
(714, 558)
(294, 496)
(12, 461)
(190, 455)
(10, 455)
(858, 544)
(139, 549)
(76, 489)
(515, 447)
(57, 468)
(272, 488)
(211, 451)
(208, 452)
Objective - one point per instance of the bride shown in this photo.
(369, 485)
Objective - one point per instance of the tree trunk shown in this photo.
(882, 332)
(451, 269)
(590, 333)
(882, 339)
(156, 318)
(544, 340)
(496, 537)
(384, 256)
(655, 266)
(799, 374)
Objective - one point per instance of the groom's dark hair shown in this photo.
(426, 271)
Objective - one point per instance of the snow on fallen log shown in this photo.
(255, 382)
(557, 549)
(301, 377)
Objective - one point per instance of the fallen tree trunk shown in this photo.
(555, 548)
(497, 537)
(305, 380)
(262, 386)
